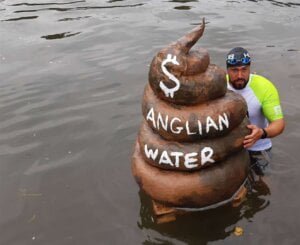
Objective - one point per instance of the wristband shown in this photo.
(264, 135)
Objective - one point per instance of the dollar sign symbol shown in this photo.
(169, 92)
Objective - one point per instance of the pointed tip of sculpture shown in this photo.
(188, 41)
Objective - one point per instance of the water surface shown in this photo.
(72, 78)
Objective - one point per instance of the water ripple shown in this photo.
(22, 18)
(11, 150)
(59, 122)
(183, 1)
(45, 9)
(113, 1)
(74, 108)
(276, 3)
(60, 35)
(183, 7)
(80, 8)
(75, 18)
(40, 4)
(282, 4)
(38, 167)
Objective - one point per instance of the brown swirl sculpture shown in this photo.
(189, 151)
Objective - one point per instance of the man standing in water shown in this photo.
(264, 108)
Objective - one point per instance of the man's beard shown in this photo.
(239, 83)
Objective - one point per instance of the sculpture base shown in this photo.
(165, 214)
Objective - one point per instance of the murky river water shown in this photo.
(72, 78)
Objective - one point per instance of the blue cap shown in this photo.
(238, 57)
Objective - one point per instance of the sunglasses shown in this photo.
(232, 61)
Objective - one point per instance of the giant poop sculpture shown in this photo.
(189, 151)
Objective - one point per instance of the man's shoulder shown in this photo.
(261, 83)
(260, 79)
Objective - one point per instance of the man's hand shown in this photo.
(274, 128)
(255, 135)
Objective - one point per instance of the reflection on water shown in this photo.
(70, 111)
(200, 227)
